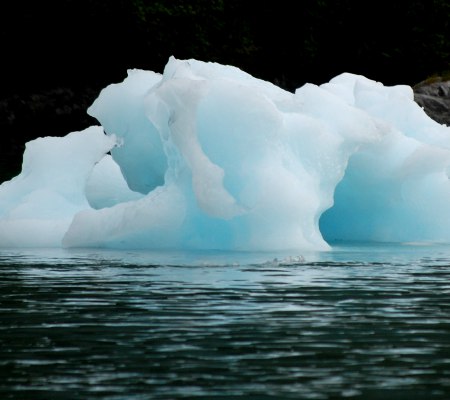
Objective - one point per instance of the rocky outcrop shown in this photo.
(434, 96)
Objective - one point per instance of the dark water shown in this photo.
(368, 322)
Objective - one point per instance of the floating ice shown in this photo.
(206, 156)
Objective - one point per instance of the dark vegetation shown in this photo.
(57, 55)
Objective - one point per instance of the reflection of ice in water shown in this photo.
(290, 260)
(205, 156)
(345, 254)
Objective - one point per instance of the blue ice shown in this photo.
(205, 156)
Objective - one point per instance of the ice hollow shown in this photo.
(205, 156)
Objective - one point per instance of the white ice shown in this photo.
(205, 156)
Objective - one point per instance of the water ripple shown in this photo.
(100, 326)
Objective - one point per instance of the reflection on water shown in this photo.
(359, 322)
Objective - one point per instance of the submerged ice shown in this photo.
(205, 156)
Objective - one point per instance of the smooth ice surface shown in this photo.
(205, 156)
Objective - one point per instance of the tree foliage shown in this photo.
(290, 42)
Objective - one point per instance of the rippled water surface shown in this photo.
(359, 322)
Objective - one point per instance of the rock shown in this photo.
(434, 96)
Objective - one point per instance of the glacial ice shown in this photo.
(205, 156)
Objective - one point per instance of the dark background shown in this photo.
(57, 55)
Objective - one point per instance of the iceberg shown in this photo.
(207, 157)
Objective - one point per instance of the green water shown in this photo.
(359, 322)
